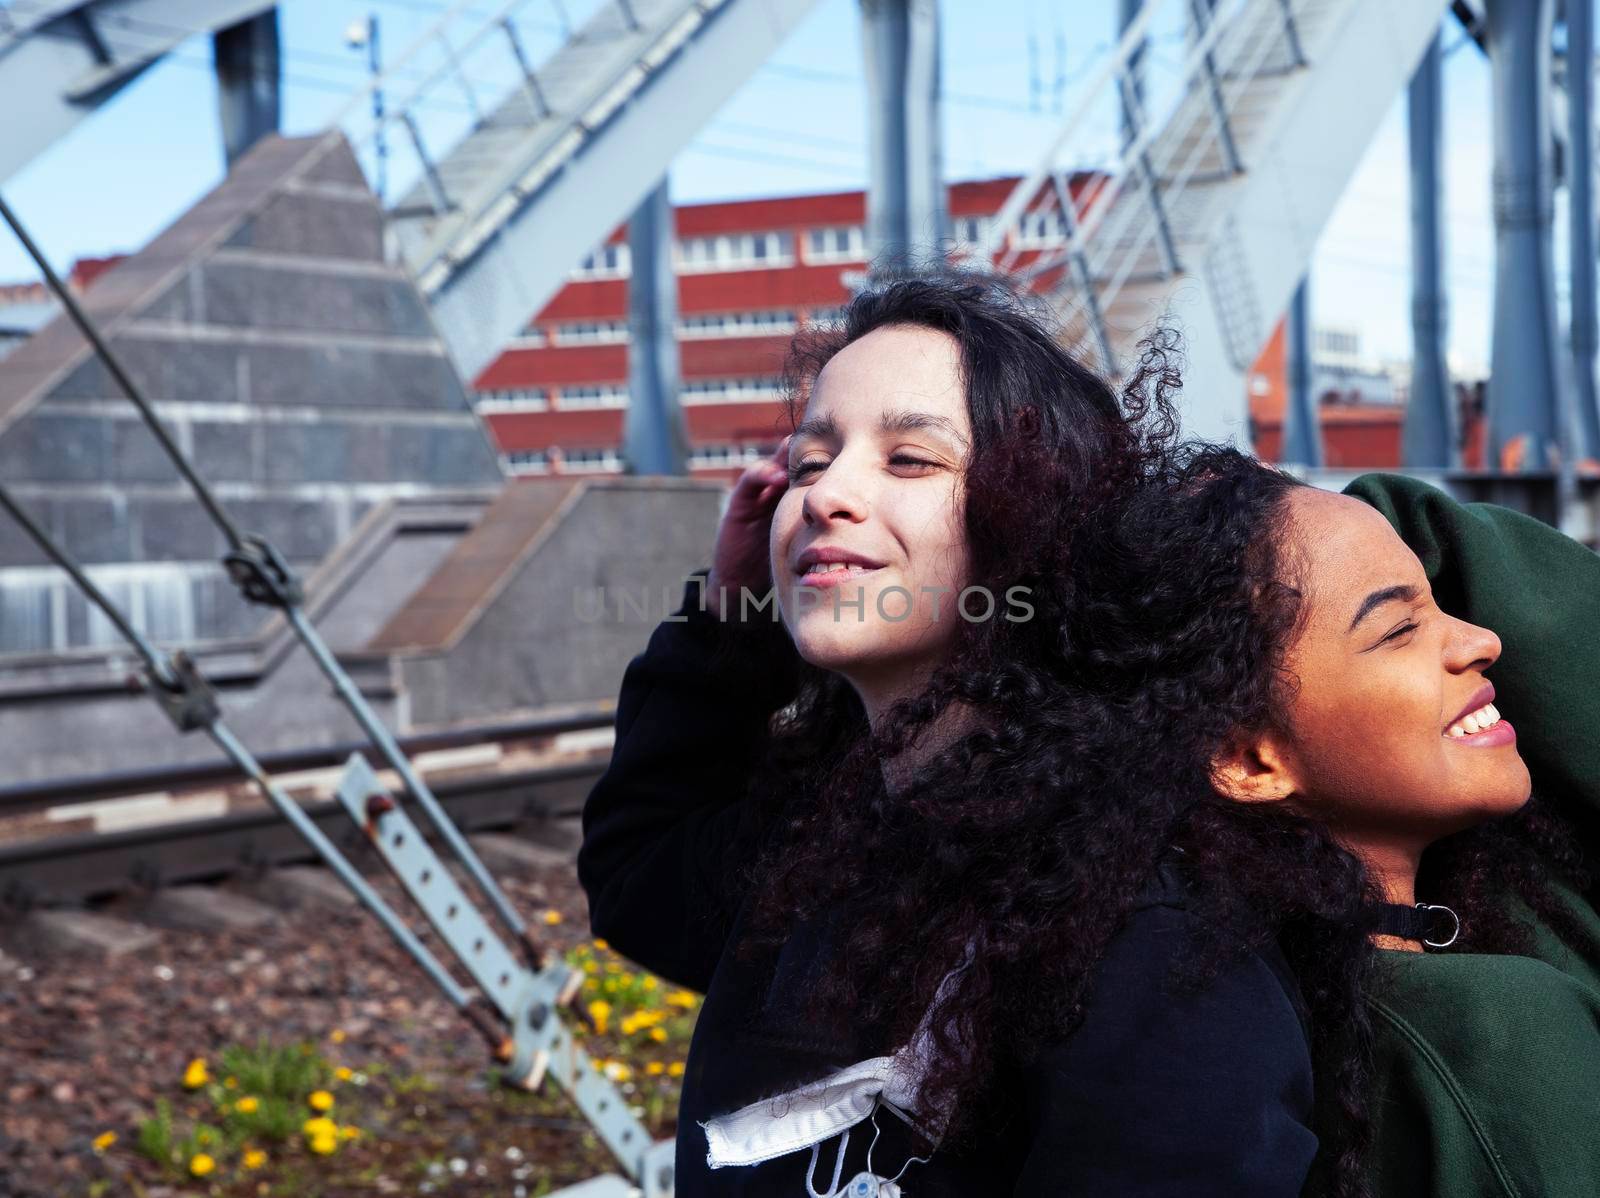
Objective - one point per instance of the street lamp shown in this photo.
(357, 35)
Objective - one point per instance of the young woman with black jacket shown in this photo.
(871, 834)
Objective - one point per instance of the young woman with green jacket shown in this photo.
(1347, 670)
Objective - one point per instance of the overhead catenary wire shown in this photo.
(171, 678)
(75, 311)
(154, 660)
(264, 577)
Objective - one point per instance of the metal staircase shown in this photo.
(1208, 202)
(552, 157)
(61, 59)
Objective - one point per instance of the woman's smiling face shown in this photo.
(875, 472)
(1394, 738)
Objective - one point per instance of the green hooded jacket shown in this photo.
(1488, 1066)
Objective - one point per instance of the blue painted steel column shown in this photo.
(1302, 428)
(1580, 135)
(1127, 10)
(248, 75)
(1429, 436)
(907, 215)
(653, 435)
(1523, 380)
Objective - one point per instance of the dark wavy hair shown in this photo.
(1162, 580)
(980, 846)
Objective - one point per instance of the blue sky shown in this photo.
(798, 125)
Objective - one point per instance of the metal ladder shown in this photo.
(521, 167)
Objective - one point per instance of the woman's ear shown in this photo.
(1253, 768)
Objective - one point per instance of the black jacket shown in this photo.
(1154, 1094)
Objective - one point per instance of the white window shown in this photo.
(607, 262)
(512, 401)
(532, 337)
(600, 395)
(734, 251)
(969, 230)
(711, 457)
(1042, 230)
(41, 611)
(736, 324)
(826, 318)
(841, 243)
(590, 332)
(598, 461)
(528, 461)
(707, 456)
(731, 390)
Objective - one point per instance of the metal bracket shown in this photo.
(187, 698)
(1203, 18)
(538, 1042)
(1147, 175)
(1079, 260)
(262, 575)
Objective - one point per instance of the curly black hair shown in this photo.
(1162, 584)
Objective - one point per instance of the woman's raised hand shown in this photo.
(740, 558)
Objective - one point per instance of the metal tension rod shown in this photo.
(189, 702)
(264, 577)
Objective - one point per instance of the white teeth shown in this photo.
(837, 568)
(1486, 716)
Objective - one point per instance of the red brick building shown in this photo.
(1354, 434)
(750, 273)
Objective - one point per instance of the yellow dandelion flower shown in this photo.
(195, 1075)
(675, 1069)
(254, 1158)
(629, 1025)
(649, 982)
(552, 917)
(231, 1082)
(323, 1145)
(658, 1034)
(320, 1100)
(337, 1035)
(344, 1073)
(600, 1011)
(655, 1068)
(590, 967)
(617, 1071)
(682, 998)
(320, 1126)
(597, 1063)
(200, 1164)
(349, 1132)
(599, 943)
(247, 1105)
(104, 1140)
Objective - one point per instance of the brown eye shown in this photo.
(801, 469)
(901, 459)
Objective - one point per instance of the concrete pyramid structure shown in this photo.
(298, 368)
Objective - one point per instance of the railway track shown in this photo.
(68, 841)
